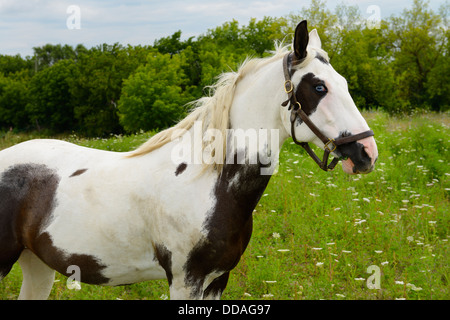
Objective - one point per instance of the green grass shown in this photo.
(316, 233)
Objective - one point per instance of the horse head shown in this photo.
(321, 109)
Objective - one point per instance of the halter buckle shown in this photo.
(327, 145)
(288, 86)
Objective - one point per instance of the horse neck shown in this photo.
(255, 114)
(255, 137)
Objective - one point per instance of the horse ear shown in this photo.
(301, 39)
(314, 39)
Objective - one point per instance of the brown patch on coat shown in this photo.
(307, 95)
(78, 172)
(181, 168)
(164, 257)
(229, 226)
(27, 200)
(90, 267)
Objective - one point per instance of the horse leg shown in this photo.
(38, 278)
(8, 256)
(10, 248)
(182, 290)
(215, 289)
(5, 269)
(179, 290)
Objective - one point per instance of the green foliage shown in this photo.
(9, 65)
(50, 99)
(172, 44)
(370, 79)
(400, 66)
(98, 83)
(14, 91)
(47, 55)
(419, 43)
(153, 98)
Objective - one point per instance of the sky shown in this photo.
(25, 24)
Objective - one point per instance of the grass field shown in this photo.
(316, 233)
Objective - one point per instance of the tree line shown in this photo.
(399, 66)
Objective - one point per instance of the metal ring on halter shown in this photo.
(291, 86)
(328, 147)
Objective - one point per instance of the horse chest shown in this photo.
(229, 222)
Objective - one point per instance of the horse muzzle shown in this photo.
(361, 156)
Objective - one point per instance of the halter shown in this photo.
(330, 144)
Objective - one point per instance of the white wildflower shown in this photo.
(359, 221)
(73, 285)
(332, 185)
(413, 287)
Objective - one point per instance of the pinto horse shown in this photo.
(180, 206)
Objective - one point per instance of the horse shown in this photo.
(179, 207)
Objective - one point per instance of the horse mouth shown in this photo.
(349, 167)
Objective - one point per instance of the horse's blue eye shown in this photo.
(321, 88)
